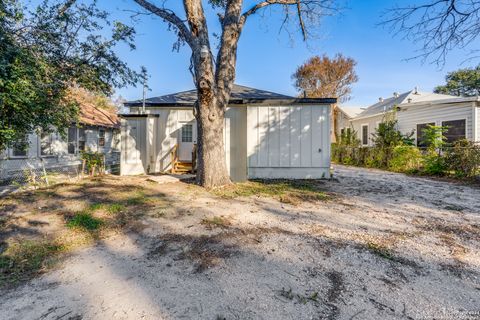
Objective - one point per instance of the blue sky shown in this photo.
(267, 58)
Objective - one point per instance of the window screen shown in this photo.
(101, 138)
(81, 139)
(72, 140)
(456, 130)
(420, 134)
(20, 147)
(364, 135)
(187, 133)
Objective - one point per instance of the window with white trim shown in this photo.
(20, 147)
(187, 133)
(101, 137)
(420, 134)
(456, 130)
(365, 134)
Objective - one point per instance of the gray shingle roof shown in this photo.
(240, 94)
(406, 97)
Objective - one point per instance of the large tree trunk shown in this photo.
(211, 169)
(214, 85)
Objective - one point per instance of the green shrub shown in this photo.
(463, 158)
(84, 220)
(434, 164)
(405, 159)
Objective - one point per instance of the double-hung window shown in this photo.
(72, 140)
(456, 130)
(20, 147)
(365, 134)
(101, 137)
(421, 143)
(81, 139)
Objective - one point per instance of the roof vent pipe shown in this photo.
(415, 91)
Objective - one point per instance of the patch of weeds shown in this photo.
(138, 199)
(286, 191)
(380, 250)
(22, 260)
(96, 206)
(115, 208)
(3, 221)
(84, 220)
(204, 251)
(216, 222)
(300, 298)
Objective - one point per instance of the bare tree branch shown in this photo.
(439, 26)
(169, 16)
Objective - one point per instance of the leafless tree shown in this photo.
(214, 77)
(438, 26)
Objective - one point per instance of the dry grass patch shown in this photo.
(217, 222)
(23, 259)
(287, 191)
(80, 213)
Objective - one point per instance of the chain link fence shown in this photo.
(34, 172)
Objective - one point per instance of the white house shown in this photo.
(267, 135)
(415, 110)
(97, 130)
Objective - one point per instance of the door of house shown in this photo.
(187, 137)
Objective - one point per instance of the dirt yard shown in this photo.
(366, 245)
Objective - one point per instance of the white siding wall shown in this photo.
(343, 121)
(288, 141)
(134, 150)
(236, 142)
(166, 135)
(372, 123)
(409, 117)
(477, 123)
(60, 156)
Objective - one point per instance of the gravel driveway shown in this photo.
(384, 246)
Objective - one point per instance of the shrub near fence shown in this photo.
(460, 160)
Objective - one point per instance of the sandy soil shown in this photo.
(385, 246)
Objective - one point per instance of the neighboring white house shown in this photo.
(98, 130)
(344, 117)
(415, 110)
(267, 135)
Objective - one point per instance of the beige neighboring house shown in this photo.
(415, 110)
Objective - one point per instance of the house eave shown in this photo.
(265, 102)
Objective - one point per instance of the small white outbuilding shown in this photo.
(267, 135)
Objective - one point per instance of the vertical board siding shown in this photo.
(236, 142)
(274, 137)
(252, 136)
(306, 137)
(288, 137)
(295, 136)
(285, 143)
